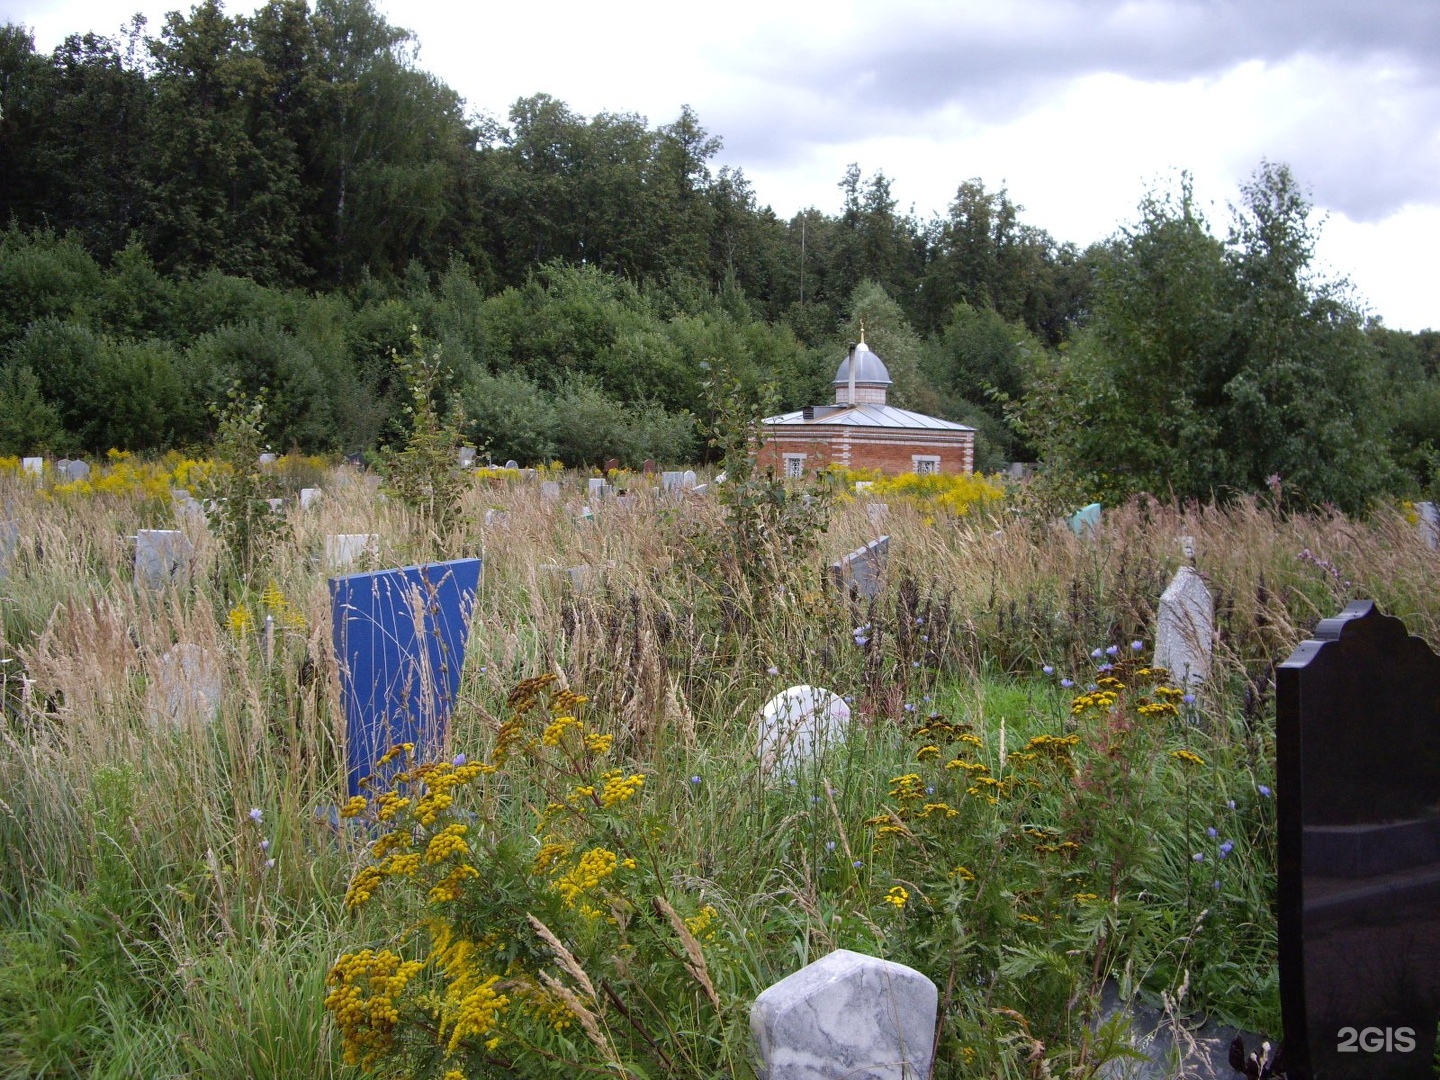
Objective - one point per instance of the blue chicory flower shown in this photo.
(1112, 650)
(1048, 669)
(1067, 683)
(1227, 847)
(1264, 791)
(1199, 856)
(1212, 832)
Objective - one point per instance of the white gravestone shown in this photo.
(33, 466)
(344, 549)
(466, 456)
(847, 1016)
(1429, 524)
(797, 725)
(309, 497)
(1185, 628)
(186, 688)
(687, 479)
(550, 490)
(672, 481)
(597, 488)
(162, 557)
(268, 459)
(513, 465)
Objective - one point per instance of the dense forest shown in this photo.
(277, 200)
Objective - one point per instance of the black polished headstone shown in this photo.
(1358, 807)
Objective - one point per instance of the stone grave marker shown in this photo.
(497, 519)
(861, 572)
(309, 497)
(701, 489)
(1086, 519)
(187, 687)
(1185, 627)
(585, 515)
(62, 464)
(597, 488)
(649, 467)
(1429, 524)
(345, 549)
(465, 456)
(77, 470)
(513, 465)
(268, 458)
(862, 486)
(1357, 737)
(9, 541)
(550, 490)
(687, 478)
(611, 465)
(672, 481)
(400, 638)
(355, 461)
(33, 466)
(797, 726)
(162, 557)
(847, 1016)
(277, 506)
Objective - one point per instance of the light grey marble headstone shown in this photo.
(863, 570)
(847, 1016)
(497, 519)
(1429, 525)
(513, 464)
(597, 488)
(701, 489)
(77, 470)
(268, 458)
(33, 466)
(344, 549)
(550, 490)
(672, 481)
(466, 456)
(62, 464)
(187, 687)
(309, 497)
(1185, 627)
(162, 557)
(797, 725)
(687, 478)
(862, 486)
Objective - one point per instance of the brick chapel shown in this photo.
(860, 431)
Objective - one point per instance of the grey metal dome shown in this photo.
(868, 369)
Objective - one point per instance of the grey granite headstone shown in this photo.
(550, 490)
(862, 571)
(1185, 628)
(701, 489)
(847, 1016)
(187, 687)
(597, 488)
(344, 549)
(77, 470)
(1429, 525)
(797, 725)
(162, 557)
(62, 464)
(672, 481)
(309, 497)
(465, 456)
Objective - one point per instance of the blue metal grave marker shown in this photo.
(400, 640)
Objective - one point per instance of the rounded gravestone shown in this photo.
(513, 465)
(649, 467)
(612, 464)
(796, 726)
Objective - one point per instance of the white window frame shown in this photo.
(926, 464)
(794, 466)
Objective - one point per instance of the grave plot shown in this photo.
(1358, 778)
(860, 575)
(400, 638)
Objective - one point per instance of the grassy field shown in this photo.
(173, 901)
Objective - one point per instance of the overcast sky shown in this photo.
(1076, 106)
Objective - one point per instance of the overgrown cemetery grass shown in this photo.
(173, 897)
